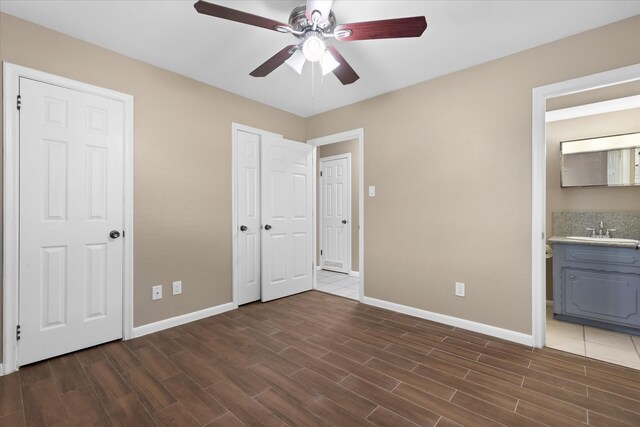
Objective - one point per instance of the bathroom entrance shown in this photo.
(592, 223)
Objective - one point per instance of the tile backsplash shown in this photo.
(573, 223)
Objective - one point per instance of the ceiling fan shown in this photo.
(312, 24)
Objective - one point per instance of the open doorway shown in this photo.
(563, 112)
(338, 214)
(593, 179)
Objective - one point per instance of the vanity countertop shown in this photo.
(598, 242)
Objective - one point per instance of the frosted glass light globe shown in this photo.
(313, 48)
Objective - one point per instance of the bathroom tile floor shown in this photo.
(338, 284)
(601, 344)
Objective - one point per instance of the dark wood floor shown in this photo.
(317, 359)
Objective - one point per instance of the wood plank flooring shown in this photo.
(315, 359)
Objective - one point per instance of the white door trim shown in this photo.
(349, 243)
(538, 181)
(11, 206)
(330, 139)
(235, 127)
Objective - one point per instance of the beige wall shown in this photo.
(182, 163)
(451, 162)
(333, 150)
(587, 198)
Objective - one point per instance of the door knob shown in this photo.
(243, 228)
(267, 227)
(344, 221)
(114, 234)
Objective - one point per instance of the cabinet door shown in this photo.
(606, 296)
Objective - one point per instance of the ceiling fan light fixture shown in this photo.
(296, 61)
(313, 47)
(312, 23)
(328, 63)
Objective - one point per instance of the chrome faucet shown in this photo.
(603, 233)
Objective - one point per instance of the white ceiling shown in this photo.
(460, 34)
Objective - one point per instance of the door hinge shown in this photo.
(19, 103)
(320, 171)
(320, 251)
(17, 332)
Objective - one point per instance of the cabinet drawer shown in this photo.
(602, 255)
(611, 297)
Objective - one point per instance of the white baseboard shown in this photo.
(318, 268)
(6, 370)
(354, 274)
(180, 320)
(481, 328)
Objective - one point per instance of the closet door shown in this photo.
(71, 219)
(248, 216)
(286, 188)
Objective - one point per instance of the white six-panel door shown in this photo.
(248, 216)
(71, 198)
(287, 241)
(335, 203)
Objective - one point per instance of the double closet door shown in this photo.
(274, 217)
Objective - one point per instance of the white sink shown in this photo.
(603, 239)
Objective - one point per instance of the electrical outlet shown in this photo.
(177, 287)
(372, 191)
(156, 292)
(459, 289)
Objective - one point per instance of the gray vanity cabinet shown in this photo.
(597, 286)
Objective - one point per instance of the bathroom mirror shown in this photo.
(603, 161)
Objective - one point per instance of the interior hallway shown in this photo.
(338, 284)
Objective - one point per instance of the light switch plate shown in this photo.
(372, 191)
(177, 287)
(459, 289)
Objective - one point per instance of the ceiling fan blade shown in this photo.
(237, 16)
(322, 6)
(344, 72)
(274, 62)
(384, 29)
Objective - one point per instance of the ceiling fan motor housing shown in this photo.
(299, 22)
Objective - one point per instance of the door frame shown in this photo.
(349, 243)
(539, 178)
(11, 199)
(234, 200)
(348, 135)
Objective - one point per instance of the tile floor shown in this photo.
(601, 344)
(338, 284)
